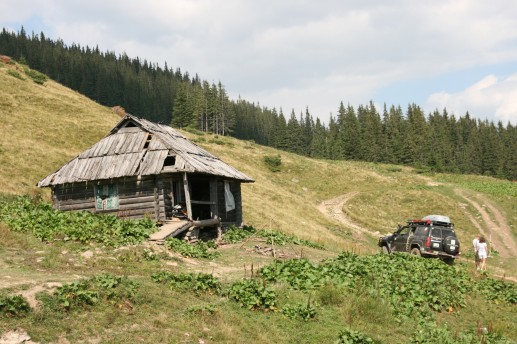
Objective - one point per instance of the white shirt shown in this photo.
(482, 250)
(475, 243)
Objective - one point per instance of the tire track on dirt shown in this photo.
(333, 208)
(493, 224)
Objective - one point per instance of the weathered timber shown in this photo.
(170, 229)
(80, 206)
(143, 205)
(131, 199)
(63, 202)
(206, 223)
(187, 195)
(144, 169)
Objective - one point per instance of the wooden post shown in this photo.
(187, 196)
(156, 204)
(213, 198)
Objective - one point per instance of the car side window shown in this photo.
(404, 231)
(421, 231)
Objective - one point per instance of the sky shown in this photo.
(291, 55)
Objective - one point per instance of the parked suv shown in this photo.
(431, 236)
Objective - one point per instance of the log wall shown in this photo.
(145, 196)
(137, 198)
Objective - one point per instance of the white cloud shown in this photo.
(290, 53)
(489, 98)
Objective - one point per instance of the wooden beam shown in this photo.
(187, 196)
(206, 223)
(213, 197)
(156, 204)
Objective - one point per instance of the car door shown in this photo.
(400, 240)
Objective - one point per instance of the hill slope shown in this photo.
(342, 204)
(43, 126)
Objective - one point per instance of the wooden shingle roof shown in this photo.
(136, 146)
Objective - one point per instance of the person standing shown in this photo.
(482, 253)
(475, 243)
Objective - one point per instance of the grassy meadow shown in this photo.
(43, 126)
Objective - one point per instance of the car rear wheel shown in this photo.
(415, 251)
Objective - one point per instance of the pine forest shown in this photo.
(437, 141)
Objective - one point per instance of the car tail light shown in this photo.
(428, 242)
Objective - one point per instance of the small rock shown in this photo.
(15, 337)
(87, 254)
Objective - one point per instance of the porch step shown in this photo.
(169, 229)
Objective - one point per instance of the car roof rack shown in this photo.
(428, 222)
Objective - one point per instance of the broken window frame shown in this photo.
(106, 197)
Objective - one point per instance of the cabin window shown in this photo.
(169, 161)
(106, 197)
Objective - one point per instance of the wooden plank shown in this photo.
(135, 212)
(143, 186)
(170, 229)
(213, 197)
(142, 205)
(75, 201)
(156, 204)
(81, 206)
(135, 199)
(187, 196)
(76, 195)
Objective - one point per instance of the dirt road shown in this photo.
(333, 208)
(491, 223)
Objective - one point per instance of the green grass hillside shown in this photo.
(43, 126)
(128, 294)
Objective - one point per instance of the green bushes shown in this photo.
(273, 162)
(13, 306)
(15, 74)
(234, 234)
(281, 239)
(495, 290)
(253, 294)
(430, 333)
(200, 249)
(36, 76)
(349, 336)
(273, 237)
(197, 282)
(89, 292)
(409, 284)
(299, 311)
(29, 215)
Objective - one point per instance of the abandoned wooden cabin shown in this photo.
(146, 169)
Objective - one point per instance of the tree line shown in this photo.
(438, 140)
